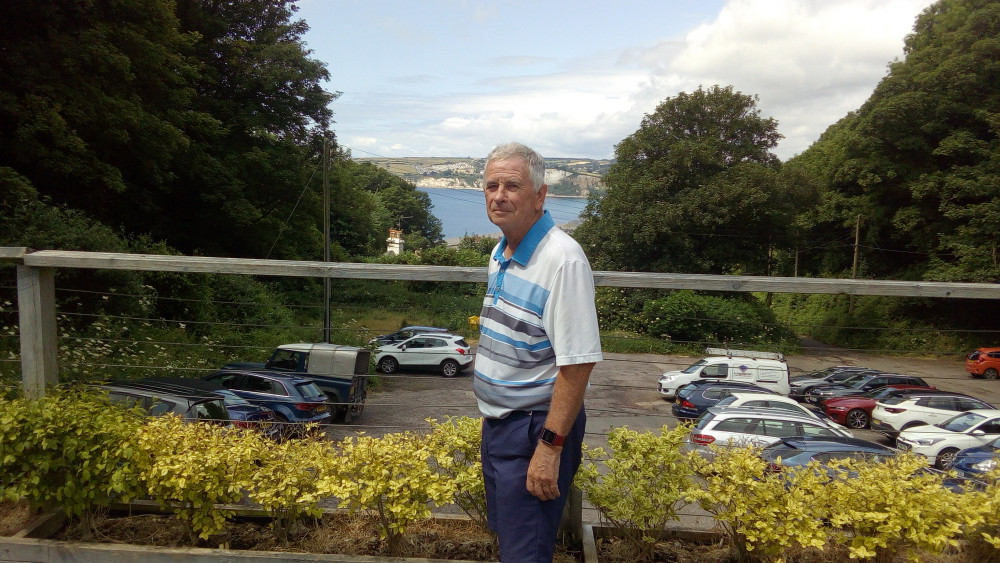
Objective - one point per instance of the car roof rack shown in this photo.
(745, 354)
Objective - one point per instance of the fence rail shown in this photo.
(37, 311)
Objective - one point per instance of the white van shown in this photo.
(767, 369)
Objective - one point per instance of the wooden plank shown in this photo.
(147, 262)
(36, 303)
(12, 253)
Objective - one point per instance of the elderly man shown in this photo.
(539, 342)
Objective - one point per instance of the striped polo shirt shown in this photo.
(538, 314)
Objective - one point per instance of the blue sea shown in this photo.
(463, 212)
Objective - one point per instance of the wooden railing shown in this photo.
(37, 310)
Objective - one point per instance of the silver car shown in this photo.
(742, 426)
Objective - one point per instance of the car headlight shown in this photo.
(838, 408)
(927, 441)
(823, 393)
(984, 466)
(667, 378)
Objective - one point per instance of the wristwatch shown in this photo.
(551, 438)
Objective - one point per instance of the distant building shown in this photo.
(395, 242)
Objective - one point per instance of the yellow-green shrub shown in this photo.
(391, 478)
(189, 467)
(882, 508)
(455, 446)
(645, 482)
(761, 513)
(68, 449)
(289, 479)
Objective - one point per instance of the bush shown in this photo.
(688, 316)
(455, 445)
(646, 480)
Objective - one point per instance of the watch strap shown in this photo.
(551, 438)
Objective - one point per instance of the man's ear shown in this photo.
(542, 191)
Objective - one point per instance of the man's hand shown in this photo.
(543, 472)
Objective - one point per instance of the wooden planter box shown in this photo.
(592, 533)
(30, 546)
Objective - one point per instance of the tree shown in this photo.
(695, 189)
(918, 162)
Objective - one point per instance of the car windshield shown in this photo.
(843, 376)
(695, 366)
(961, 422)
(816, 374)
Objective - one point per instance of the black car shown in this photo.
(695, 398)
(295, 400)
(801, 384)
(860, 384)
(160, 398)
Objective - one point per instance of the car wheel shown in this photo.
(287, 428)
(388, 364)
(857, 419)
(450, 368)
(945, 457)
(990, 374)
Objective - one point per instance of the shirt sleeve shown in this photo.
(570, 316)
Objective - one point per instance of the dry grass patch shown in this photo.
(14, 516)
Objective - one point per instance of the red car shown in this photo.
(984, 362)
(855, 411)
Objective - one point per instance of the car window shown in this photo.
(782, 428)
(785, 406)
(461, 342)
(436, 343)
(209, 410)
(770, 374)
(285, 359)
(715, 370)
(971, 404)
(727, 401)
(695, 366)
(417, 343)
(310, 391)
(755, 403)
(227, 380)
(160, 406)
(944, 403)
(737, 424)
(990, 427)
(993, 355)
(126, 400)
(257, 384)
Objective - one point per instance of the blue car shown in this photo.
(295, 400)
(973, 462)
(696, 397)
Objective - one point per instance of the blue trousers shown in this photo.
(525, 525)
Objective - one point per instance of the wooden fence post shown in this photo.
(36, 303)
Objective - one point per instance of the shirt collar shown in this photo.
(530, 241)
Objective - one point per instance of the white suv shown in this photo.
(741, 426)
(768, 401)
(449, 353)
(899, 412)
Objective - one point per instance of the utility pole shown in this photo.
(326, 239)
(854, 268)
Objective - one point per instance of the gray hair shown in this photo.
(535, 162)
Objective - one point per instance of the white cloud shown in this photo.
(809, 61)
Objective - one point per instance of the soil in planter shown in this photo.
(335, 533)
(13, 517)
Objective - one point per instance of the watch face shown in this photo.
(548, 436)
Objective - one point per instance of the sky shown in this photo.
(453, 78)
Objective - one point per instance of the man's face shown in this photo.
(511, 201)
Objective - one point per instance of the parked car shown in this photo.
(696, 397)
(157, 399)
(799, 451)
(242, 413)
(449, 353)
(405, 333)
(339, 370)
(801, 384)
(897, 413)
(767, 369)
(855, 411)
(940, 442)
(759, 401)
(984, 362)
(723, 426)
(860, 383)
(295, 400)
(973, 462)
